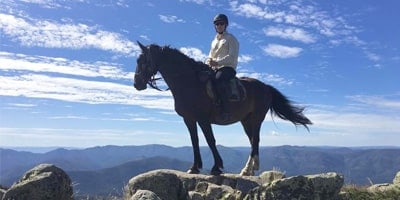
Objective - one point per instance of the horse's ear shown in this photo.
(141, 46)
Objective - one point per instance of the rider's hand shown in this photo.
(213, 63)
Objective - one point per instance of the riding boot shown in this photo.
(225, 115)
(234, 93)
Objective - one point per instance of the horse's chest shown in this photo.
(188, 106)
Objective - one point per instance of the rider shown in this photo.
(223, 58)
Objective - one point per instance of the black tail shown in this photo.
(283, 108)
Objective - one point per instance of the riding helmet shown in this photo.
(221, 17)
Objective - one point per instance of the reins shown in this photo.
(153, 84)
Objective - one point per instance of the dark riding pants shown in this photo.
(222, 78)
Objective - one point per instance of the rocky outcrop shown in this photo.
(383, 187)
(321, 186)
(44, 181)
(396, 179)
(171, 184)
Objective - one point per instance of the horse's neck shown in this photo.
(180, 80)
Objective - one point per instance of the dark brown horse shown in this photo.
(182, 73)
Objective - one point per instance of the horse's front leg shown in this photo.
(197, 163)
(209, 135)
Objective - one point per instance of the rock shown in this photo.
(327, 185)
(171, 184)
(321, 186)
(396, 179)
(164, 184)
(268, 176)
(383, 187)
(44, 181)
(144, 195)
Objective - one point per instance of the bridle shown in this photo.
(150, 68)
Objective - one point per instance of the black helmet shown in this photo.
(221, 17)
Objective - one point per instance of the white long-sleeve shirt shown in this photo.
(224, 50)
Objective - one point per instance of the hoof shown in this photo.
(193, 171)
(216, 172)
(246, 173)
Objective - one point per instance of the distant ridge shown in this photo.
(359, 165)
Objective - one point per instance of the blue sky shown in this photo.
(67, 67)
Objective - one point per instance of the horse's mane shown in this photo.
(177, 54)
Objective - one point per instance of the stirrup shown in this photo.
(234, 97)
(225, 117)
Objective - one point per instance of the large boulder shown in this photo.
(320, 186)
(171, 184)
(44, 181)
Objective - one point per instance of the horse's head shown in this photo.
(146, 68)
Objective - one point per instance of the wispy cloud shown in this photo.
(198, 55)
(43, 64)
(290, 33)
(273, 79)
(377, 101)
(195, 1)
(194, 53)
(71, 80)
(307, 16)
(49, 34)
(43, 3)
(281, 51)
(170, 19)
(83, 91)
(353, 122)
(245, 58)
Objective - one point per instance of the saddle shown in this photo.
(235, 90)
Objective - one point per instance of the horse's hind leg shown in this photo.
(252, 128)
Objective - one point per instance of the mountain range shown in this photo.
(105, 170)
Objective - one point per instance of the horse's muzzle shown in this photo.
(139, 86)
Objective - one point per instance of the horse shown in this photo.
(192, 102)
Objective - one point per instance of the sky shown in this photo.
(67, 68)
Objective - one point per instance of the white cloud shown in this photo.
(43, 3)
(377, 102)
(245, 58)
(50, 34)
(273, 79)
(198, 55)
(30, 78)
(41, 64)
(252, 10)
(291, 33)
(372, 56)
(83, 91)
(170, 19)
(282, 51)
(298, 14)
(194, 53)
(195, 1)
(351, 122)
(23, 105)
